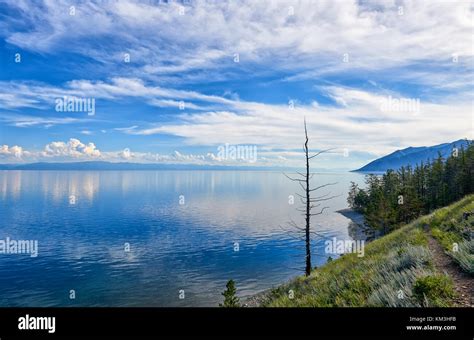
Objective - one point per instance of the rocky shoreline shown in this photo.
(256, 300)
(357, 228)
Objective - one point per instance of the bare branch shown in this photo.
(324, 199)
(294, 225)
(302, 175)
(322, 186)
(320, 212)
(293, 179)
(320, 152)
(322, 196)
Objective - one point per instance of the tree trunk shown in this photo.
(308, 209)
(308, 202)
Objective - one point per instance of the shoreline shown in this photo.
(357, 229)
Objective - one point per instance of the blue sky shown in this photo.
(370, 77)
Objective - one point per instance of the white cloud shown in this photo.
(42, 96)
(125, 153)
(74, 148)
(24, 121)
(124, 129)
(181, 105)
(12, 151)
(361, 124)
(161, 41)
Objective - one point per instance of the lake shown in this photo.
(156, 238)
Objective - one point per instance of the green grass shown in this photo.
(435, 288)
(453, 233)
(397, 270)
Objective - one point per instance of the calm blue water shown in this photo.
(173, 246)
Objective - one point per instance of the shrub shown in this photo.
(433, 289)
(446, 238)
(465, 256)
(396, 276)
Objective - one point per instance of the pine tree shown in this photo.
(351, 197)
(230, 299)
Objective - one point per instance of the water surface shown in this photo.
(183, 228)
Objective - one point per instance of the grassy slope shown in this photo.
(397, 270)
(452, 232)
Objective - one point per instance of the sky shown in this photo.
(181, 81)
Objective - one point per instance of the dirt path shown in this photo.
(463, 283)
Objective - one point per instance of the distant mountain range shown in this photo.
(102, 165)
(411, 156)
(119, 166)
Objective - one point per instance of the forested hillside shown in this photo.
(398, 197)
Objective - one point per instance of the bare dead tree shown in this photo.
(308, 201)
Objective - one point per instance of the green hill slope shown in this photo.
(398, 270)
